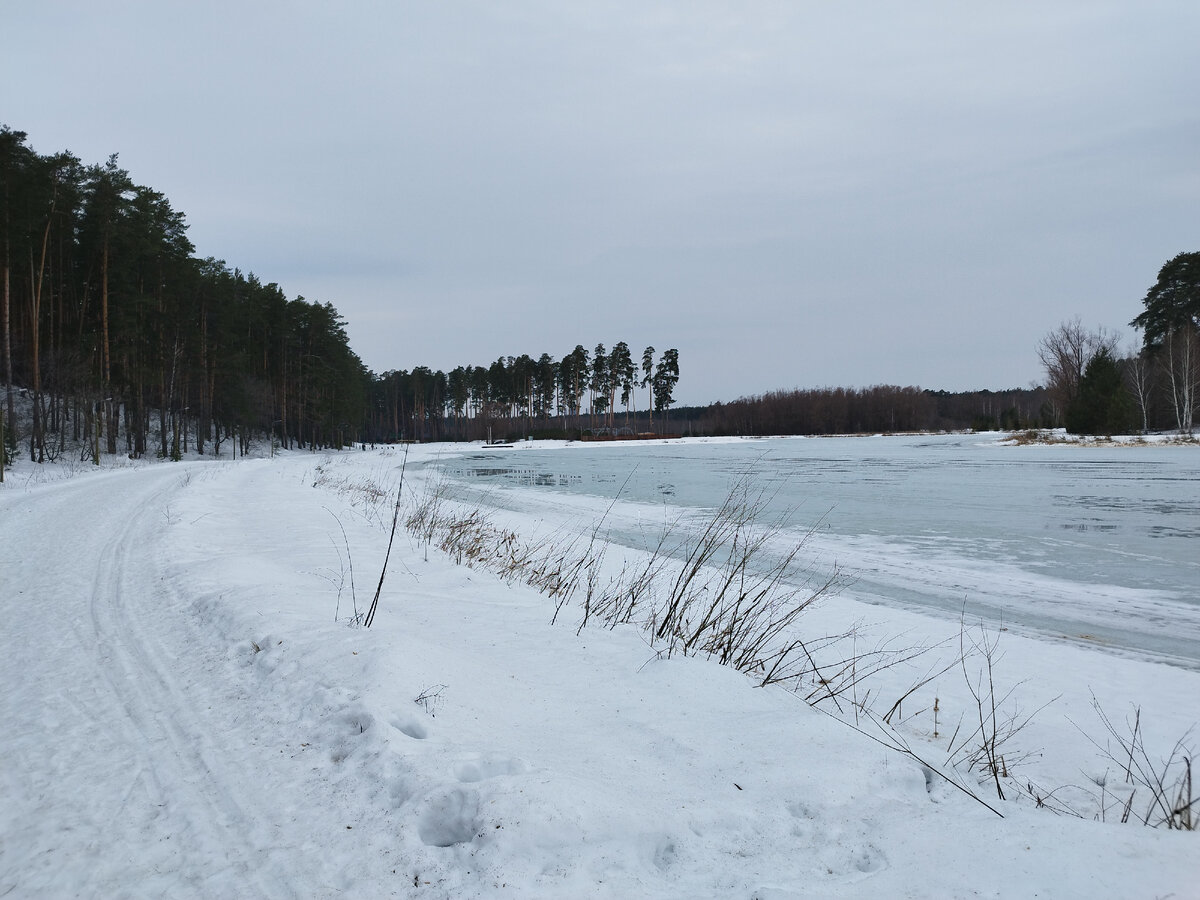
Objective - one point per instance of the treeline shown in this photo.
(523, 396)
(126, 342)
(881, 408)
(116, 338)
(1095, 390)
(123, 341)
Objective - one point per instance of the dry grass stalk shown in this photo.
(1168, 782)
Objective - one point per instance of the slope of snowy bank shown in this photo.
(183, 716)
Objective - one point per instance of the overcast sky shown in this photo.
(792, 194)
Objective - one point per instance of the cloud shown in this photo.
(791, 193)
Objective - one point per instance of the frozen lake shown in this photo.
(1087, 544)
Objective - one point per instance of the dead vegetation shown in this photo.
(730, 586)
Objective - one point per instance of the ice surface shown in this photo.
(1096, 544)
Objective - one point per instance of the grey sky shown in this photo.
(792, 194)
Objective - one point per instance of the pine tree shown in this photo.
(666, 376)
(1171, 324)
(647, 378)
(623, 376)
(1103, 404)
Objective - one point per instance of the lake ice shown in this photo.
(1089, 544)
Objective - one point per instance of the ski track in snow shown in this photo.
(141, 719)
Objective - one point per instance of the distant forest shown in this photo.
(118, 339)
(883, 408)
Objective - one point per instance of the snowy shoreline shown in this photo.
(1088, 547)
(253, 745)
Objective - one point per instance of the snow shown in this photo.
(184, 716)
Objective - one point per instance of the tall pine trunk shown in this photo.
(8, 368)
(110, 413)
(37, 440)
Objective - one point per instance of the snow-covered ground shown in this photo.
(186, 713)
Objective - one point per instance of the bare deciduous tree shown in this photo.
(1065, 353)
(1180, 360)
(1139, 376)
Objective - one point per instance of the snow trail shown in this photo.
(116, 690)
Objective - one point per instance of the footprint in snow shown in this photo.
(840, 854)
(849, 857)
(356, 721)
(481, 766)
(665, 853)
(450, 817)
(410, 725)
(351, 724)
(865, 858)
